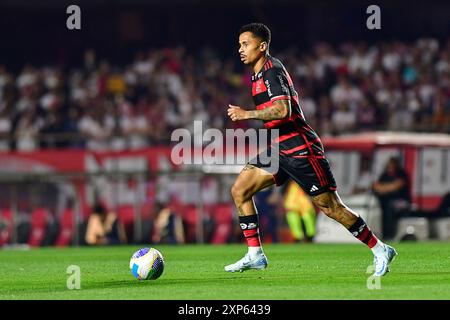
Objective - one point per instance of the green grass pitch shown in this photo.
(296, 271)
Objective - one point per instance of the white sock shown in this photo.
(253, 251)
(378, 248)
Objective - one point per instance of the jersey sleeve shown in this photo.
(277, 84)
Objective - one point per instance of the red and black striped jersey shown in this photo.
(296, 137)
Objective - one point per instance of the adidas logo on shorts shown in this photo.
(313, 188)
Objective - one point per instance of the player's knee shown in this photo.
(236, 192)
(239, 193)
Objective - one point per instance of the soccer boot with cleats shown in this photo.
(383, 259)
(256, 262)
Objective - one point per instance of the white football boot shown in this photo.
(383, 259)
(257, 262)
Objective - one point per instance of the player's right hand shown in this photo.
(236, 113)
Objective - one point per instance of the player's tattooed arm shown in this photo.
(279, 110)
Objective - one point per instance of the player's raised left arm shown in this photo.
(280, 109)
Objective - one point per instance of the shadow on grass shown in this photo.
(133, 283)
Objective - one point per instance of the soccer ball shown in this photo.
(147, 264)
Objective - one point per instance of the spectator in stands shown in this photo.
(51, 131)
(97, 126)
(443, 210)
(134, 125)
(5, 129)
(346, 93)
(351, 87)
(366, 116)
(392, 190)
(168, 226)
(27, 130)
(343, 119)
(104, 228)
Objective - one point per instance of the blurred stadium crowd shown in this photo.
(354, 87)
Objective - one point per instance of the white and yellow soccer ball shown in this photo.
(147, 264)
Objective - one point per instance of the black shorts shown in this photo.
(312, 173)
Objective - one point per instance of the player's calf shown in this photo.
(332, 206)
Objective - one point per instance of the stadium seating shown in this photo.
(66, 228)
(222, 214)
(6, 226)
(40, 219)
(189, 216)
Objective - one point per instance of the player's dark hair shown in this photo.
(259, 30)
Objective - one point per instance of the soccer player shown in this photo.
(301, 155)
